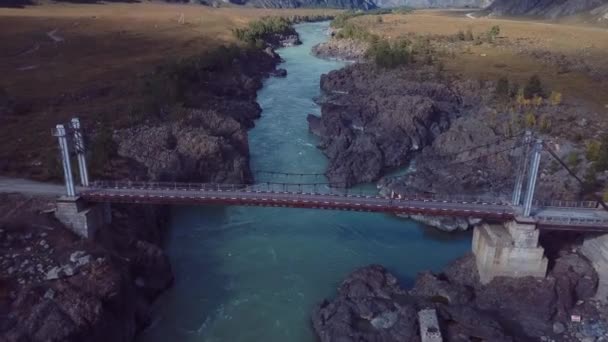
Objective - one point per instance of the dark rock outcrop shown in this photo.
(479, 171)
(203, 147)
(343, 49)
(279, 73)
(445, 223)
(506, 309)
(283, 39)
(375, 119)
(478, 155)
(56, 287)
(365, 310)
(206, 141)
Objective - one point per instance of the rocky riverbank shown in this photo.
(343, 49)
(453, 135)
(374, 119)
(372, 306)
(205, 138)
(57, 287)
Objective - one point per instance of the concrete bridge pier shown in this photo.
(510, 250)
(595, 248)
(81, 217)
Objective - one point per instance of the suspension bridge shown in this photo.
(548, 215)
(506, 244)
(566, 215)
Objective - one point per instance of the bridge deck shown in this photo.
(548, 218)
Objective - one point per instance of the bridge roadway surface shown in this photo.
(547, 217)
(557, 218)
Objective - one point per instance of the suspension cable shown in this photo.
(437, 157)
(470, 159)
(572, 173)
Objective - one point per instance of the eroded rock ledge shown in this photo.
(57, 287)
(343, 49)
(206, 141)
(372, 306)
(445, 134)
(375, 119)
(203, 147)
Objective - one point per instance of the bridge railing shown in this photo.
(304, 188)
(292, 188)
(565, 204)
(570, 221)
(324, 189)
(465, 199)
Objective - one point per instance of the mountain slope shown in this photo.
(549, 8)
(432, 3)
(352, 4)
(367, 4)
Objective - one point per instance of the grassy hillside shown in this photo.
(61, 60)
(523, 48)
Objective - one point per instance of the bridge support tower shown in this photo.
(510, 250)
(82, 218)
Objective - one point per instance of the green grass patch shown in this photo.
(341, 19)
(353, 31)
(173, 84)
(390, 55)
(261, 30)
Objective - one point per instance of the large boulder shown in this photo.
(365, 311)
(433, 287)
(442, 168)
(463, 272)
(526, 303)
(464, 323)
(575, 279)
(344, 49)
(203, 147)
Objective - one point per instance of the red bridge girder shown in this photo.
(194, 200)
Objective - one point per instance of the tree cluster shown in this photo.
(388, 55)
(260, 30)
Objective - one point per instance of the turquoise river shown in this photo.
(255, 274)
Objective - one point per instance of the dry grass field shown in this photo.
(512, 55)
(62, 60)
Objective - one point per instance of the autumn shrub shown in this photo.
(533, 88)
(260, 30)
(389, 55)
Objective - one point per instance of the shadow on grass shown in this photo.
(15, 3)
